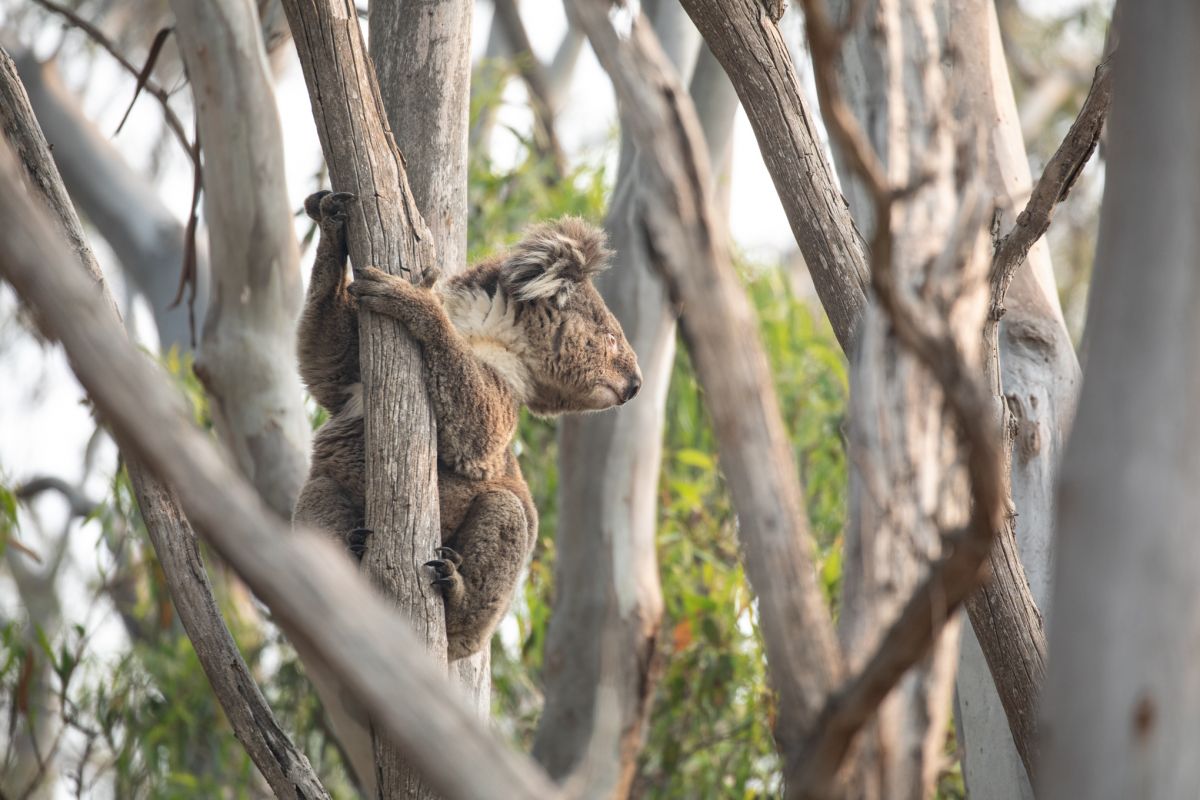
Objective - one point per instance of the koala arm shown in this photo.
(327, 338)
(475, 410)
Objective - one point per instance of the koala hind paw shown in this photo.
(445, 570)
(356, 541)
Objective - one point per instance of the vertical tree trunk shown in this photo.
(1122, 705)
(908, 485)
(1039, 369)
(247, 360)
(607, 569)
(385, 229)
(422, 55)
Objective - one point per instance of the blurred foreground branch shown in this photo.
(284, 767)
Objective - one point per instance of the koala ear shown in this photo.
(553, 259)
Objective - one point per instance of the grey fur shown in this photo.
(525, 327)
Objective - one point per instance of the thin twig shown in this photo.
(151, 87)
(1058, 178)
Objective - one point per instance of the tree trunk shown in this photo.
(907, 484)
(1122, 706)
(422, 55)
(606, 567)
(385, 229)
(1039, 374)
(247, 356)
(1040, 382)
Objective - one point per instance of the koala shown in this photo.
(523, 328)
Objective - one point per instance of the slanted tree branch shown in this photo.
(283, 766)
(744, 37)
(1058, 178)
(690, 245)
(311, 588)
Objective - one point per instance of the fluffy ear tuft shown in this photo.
(553, 259)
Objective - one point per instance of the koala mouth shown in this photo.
(606, 396)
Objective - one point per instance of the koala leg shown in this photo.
(325, 504)
(327, 338)
(478, 569)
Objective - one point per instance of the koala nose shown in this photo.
(631, 389)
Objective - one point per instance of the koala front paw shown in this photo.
(431, 276)
(328, 206)
(374, 282)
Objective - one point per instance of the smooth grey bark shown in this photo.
(309, 584)
(606, 564)
(247, 351)
(422, 55)
(283, 766)
(148, 243)
(1122, 706)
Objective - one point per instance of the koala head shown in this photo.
(562, 349)
(576, 351)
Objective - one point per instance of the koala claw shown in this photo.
(449, 555)
(445, 570)
(356, 541)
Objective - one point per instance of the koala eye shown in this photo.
(613, 345)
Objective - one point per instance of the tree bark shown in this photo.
(422, 54)
(1122, 709)
(247, 356)
(150, 243)
(310, 586)
(691, 247)
(283, 766)
(907, 485)
(385, 229)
